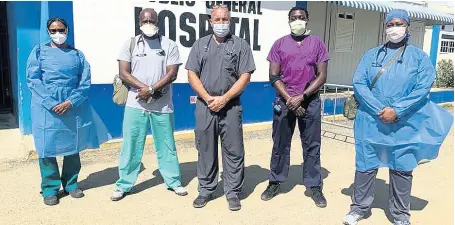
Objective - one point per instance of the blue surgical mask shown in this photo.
(221, 30)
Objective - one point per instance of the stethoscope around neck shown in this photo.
(384, 49)
(141, 40)
(229, 39)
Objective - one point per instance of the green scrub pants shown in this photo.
(135, 126)
(50, 176)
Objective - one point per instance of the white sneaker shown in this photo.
(180, 191)
(117, 195)
(351, 219)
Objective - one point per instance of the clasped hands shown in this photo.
(388, 115)
(216, 103)
(144, 93)
(294, 103)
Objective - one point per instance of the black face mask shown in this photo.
(298, 37)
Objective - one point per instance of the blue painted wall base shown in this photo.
(257, 102)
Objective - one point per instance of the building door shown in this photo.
(5, 75)
(417, 32)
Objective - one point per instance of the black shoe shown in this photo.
(200, 201)
(234, 204)
(318, 197)
(77, 193)
(270, 191)
(51, 200)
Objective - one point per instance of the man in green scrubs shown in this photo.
(149, 69)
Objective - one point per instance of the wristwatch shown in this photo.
(151, 90)
(305, 96)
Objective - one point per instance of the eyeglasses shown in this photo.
(53, 31)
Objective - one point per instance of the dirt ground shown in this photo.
(150, 203)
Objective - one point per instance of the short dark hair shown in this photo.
(56, 19)
(295, 8)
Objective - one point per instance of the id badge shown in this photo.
(193, 99)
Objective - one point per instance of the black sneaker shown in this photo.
(200, 201)
(78, 193)
(51, 200)
(234, 204)
(270, 191)
(318, 197)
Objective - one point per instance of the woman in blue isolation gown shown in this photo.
(396, 125)
(63, 122)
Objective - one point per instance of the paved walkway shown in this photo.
(151, 203)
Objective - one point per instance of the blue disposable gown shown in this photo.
(422, 125)
(55, 75)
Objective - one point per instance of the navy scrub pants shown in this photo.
(310, 135)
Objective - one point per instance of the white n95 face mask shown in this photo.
(298, 27)
(149, 29)
(396, 34)
(58, 38)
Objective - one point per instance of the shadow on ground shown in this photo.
(102, 178)
(381, 200)
(254, 175)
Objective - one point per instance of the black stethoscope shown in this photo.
(384, 49)
(141, 40)
(230, 53)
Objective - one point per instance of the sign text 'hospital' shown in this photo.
(194, 26)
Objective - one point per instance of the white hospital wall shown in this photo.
(101, 28)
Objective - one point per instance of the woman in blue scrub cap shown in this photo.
(396, 125)
(63, 123)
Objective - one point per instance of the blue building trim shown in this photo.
(256, 100)
(435, 44)
(23, 28)
(26, 28)
(332, 107)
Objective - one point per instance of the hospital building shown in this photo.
(99, 29)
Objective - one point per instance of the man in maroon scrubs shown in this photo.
(298, 69)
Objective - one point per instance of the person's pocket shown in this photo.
(230, 64)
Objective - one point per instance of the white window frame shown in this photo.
(445, 44)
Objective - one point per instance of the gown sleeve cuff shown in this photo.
(49, 103)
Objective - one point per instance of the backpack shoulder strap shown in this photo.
(132, 45)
